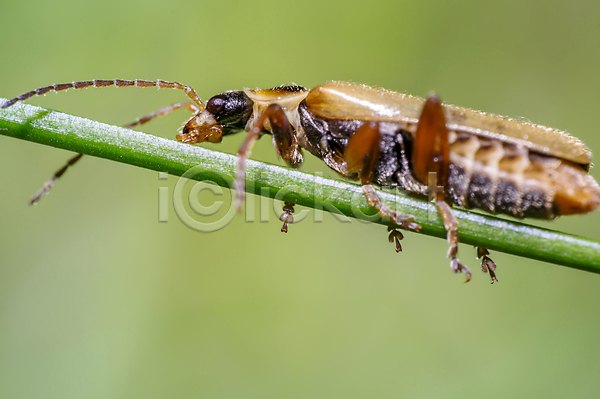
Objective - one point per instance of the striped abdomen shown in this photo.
(504, 178)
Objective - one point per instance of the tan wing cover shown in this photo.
(343, 100)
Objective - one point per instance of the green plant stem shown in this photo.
(85, 136)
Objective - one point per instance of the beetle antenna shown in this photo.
(48, 185)
(160, 84)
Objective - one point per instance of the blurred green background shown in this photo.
(99, 300)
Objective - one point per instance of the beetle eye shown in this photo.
(215, 105)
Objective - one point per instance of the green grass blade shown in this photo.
(85, 136)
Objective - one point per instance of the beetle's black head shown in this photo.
(224, 114)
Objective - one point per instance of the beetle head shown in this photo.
(224, 114)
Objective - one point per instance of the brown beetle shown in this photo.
(472, 159)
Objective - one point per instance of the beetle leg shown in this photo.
(287, 217)
(487, 264)
(284, 140)
(451, 226)
(405, 222)
(431, 162)
(395, 236)
(360, 156)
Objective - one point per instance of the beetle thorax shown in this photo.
(289, 101)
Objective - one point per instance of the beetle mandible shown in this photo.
(473, 159)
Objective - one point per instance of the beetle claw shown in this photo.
(458, 267)
(455, 264)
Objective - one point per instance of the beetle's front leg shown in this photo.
(285, 141)
(361, 156)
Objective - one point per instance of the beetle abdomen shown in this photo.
(504, 178)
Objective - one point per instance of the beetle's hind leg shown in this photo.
(487, 264)
(361, 156)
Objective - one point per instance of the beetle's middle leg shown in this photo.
(361, 156)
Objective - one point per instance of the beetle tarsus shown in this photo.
(487, 264)
(405, 222)
(287, 217)
(451, 226)
(458, 267)
(395, 236)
